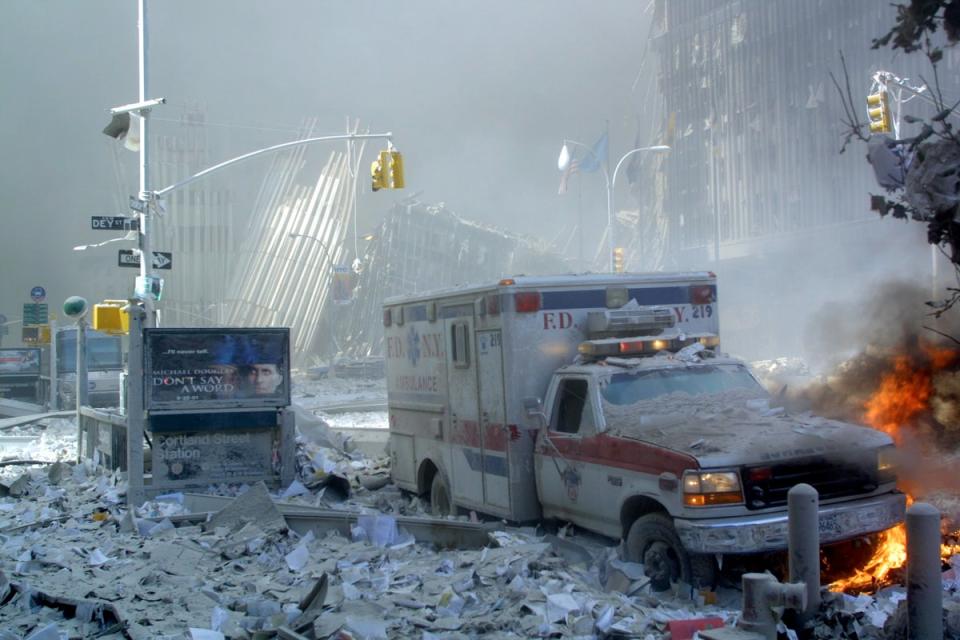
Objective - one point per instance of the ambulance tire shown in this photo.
(441, 503)
(653, 541)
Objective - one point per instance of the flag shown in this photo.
(572, 167)
(598, 158)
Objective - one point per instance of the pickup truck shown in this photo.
(605, 401)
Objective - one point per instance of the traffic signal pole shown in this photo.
(146, 252)
(149, 198)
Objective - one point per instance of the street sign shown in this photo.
(129, 258)
(138, 205)
(114, 223)
(35, 314)
(38, 294)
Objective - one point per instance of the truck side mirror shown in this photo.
(534, 408)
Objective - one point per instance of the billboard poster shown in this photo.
(216, 368)
(209, 457)
(19, 362)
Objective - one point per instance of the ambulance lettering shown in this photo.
(431, 345)
(394, 347)
(557, 320)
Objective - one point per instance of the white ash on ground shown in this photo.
(314, 393)
(243, 576)
(76, 562)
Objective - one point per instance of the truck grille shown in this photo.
(767, 486)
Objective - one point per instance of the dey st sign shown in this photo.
(114, 223)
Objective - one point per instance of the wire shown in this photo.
(206, 123)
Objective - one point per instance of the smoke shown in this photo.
(902, 378)
(891, 315)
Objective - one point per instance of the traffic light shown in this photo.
(618, 260)
(396, 170)
(378, 171)
(878, 111)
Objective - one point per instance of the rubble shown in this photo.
(75, 563)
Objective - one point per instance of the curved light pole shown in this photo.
(611, 180)
(320, 242)
(329, 258)
(613, 187)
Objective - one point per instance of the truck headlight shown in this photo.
(708, 488)
(887, 464)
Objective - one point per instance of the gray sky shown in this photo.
(478, 95)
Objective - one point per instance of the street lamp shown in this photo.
(564, 160)
(84, 247)
(320, 242)
(148, 200)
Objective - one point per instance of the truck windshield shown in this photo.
(103, 352)
(630, 388)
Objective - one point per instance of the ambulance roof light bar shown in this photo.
(642, 346)
(622, 323)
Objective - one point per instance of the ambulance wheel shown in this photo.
(653, 541)
(440, 501)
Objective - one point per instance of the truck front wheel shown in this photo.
(440, 502)
(653, 541)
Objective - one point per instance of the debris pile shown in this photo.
(243, 573)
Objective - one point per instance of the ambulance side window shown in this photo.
(459, 345)
(573, 407)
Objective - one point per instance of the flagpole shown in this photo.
(580, 220)
(610, 185)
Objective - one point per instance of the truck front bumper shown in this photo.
(768, 532)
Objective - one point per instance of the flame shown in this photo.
(890, 555)
(904, 394)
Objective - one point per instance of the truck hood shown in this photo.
(735, 429)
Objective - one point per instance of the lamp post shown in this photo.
(329, 258)
(148, 200)
(611, 180)
(320, 242)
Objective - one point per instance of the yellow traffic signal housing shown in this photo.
(878, 112)
(35, 334)
(396, 170)
(109, 317)
(618, 265)
(378, 171)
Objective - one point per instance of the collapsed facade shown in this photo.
(420, 246)
(755, 184)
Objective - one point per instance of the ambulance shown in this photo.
(604, 400)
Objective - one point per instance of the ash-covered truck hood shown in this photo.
(735, 429)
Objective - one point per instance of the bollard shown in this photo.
(924, 579)
(803, 505)
(762, 592)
